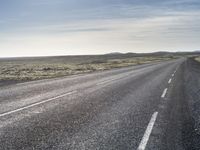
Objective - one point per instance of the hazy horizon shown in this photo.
(82, 27)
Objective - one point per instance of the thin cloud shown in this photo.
(100, 26)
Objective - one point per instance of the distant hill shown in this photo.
(90, 58)
(114, 53)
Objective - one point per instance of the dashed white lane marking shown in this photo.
(170, 80)
(35, 104)
(164, 93)
(148, 131)
(172, 74)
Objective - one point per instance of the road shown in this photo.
(139, 107)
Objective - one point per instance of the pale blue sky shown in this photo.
(71, 27)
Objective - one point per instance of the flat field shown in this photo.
(34, 68)
(198, 59)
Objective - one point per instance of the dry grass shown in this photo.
(197, 59)
(34, 69)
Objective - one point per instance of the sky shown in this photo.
(81, 27)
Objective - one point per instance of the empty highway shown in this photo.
(140, 107)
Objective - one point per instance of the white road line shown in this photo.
(170, 80)
(104, 82)
(148, 131)
(35, 104)
(172, 75)
(164, 93)
(109, 81)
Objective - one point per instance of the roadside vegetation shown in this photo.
(25, 69)
(197, 59)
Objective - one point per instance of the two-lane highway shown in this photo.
(125, 108)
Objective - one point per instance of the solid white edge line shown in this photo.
(108, 81)
(147, 133)
(104, 82)
(164, 93)
(35, 104)
(170, 80)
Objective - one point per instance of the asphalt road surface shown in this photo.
(141, 107)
